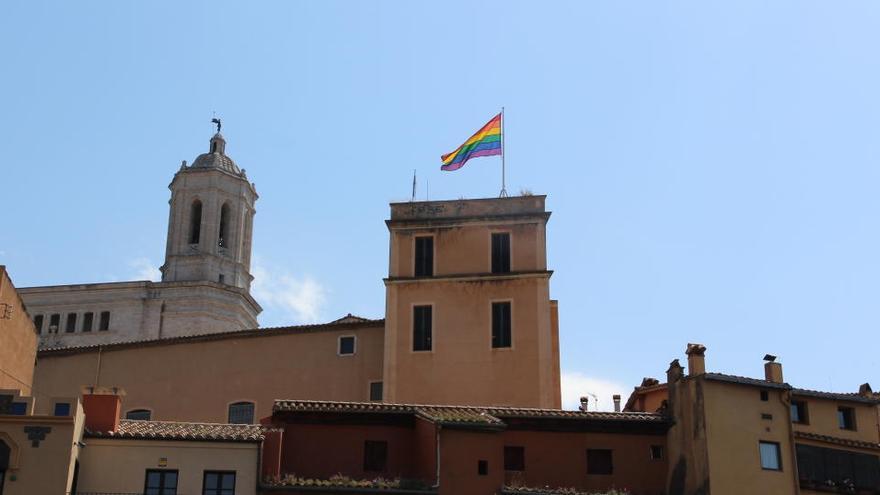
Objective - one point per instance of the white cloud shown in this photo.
(286, 298)
(144, 269)
(576, 385)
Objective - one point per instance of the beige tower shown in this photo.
(468, 318)
(210, 226)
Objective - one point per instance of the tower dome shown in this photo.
(216, 157)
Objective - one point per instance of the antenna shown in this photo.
(414, 186)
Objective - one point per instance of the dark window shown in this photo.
(799, 412)
(38, 323)
(817, 466)
(375, 455)
(62, 409)
(223, 234)
(422, 328)
(501, 324)
(657, 452)
(424, 257)
(771, 458)
(514, 458)
(160, 482)
(346, 345)
(482, 467)
(54, 322)
(88, 319)
(846, 418)
(218, 483)
(18, 408)
(195, 222)
(599, 461)
(138, 414)
(766, 416)
(104, 324)
(500, 252)
(375, 390)
(241, 413)
(71, 323)
(221, 278)
(765, 396)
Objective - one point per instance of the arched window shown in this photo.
(195, 222)
(241, 413)
(223, 236)
(139, 414)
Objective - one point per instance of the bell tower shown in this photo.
(210, 224)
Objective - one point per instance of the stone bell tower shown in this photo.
(210, 225)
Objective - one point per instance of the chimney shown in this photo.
(865, 390)
(616, 398)
(674, 373)
(102, 407)
(772, 369)
(585, 403)
(696, 354)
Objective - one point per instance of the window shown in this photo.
(71, 323)
(138, 414)
(346, 345)
(195, 222)
(54, 322)
(770, 456)
(104, 324)
(375, 455)
(88, 318)
(18, 408)
(501, 252)
(599, 461)
(482, 467)
(657, 452)
(514, 458)
(799, 412)
(161, 482)
(218, 483)
(221, 278)
(424, 257)
(765, 396)
(223, 233)
(422, 328)
(375, 390)
(38, 323)
(501, 324)
(846, 418)
(241, 413)
(62, 409)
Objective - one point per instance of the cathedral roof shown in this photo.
(216, 157)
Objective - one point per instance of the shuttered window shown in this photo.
(501, 252)
(501, 324)
(424, 256)
(422, 338)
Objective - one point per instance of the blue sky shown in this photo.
(711, 166)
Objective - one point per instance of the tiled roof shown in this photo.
(460, 415)
(170, 430)
(744, 380)
(835, 396)
(235, 334)
(836, 440)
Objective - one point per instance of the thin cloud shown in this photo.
(144, 269)
(576, 385)
(286, 298)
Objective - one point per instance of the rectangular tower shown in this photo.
(468, 318)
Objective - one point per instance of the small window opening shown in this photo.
(62, 409)
(195, 222)
(424, 256)
(482, 467)
(71, 323)
(223, 236)
(657, 452)
(501, 324)
(771, 458)
(241, 413)
(139, 414)
(422, 328)
(799, 412)
(375, 391)
(846, 418)
(765, 396)
(514, 458)
(38, 323)
(54, 322)
(88, 320)
(501, 252)
(346, 345)
(104, 324)
(599, 461)
(375, 455)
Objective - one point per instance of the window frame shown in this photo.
(103, 324)
(492, 234)
(370, 390)
(88, 317)
(849, 418)
(778, 448)
(353, 345)
(220, 473)
(70, 322)
(63, 404)
(368, 459)
(240, 403)
(492, 304)
(432, 269)
(138, 410)
(430, 340)
(803, 412)
(659, 448)
(162, 473)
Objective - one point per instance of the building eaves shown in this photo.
(182, 431)
(837, 440)
(801, 392)
(743, 380)
(235, 334)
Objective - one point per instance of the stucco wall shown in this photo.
(822, 414)
(119, 466)
(18, 342)
(196, 381)
(46, 467)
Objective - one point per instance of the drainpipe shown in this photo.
(98, 367)
(785, 398)
(437, 460)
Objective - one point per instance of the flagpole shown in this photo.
(503, 168)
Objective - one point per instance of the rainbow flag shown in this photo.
(486, 142)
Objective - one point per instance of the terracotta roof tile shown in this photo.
(835, 396)
(744, 380)
(836, 440)
(171, 430)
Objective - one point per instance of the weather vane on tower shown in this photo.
(215, 120)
